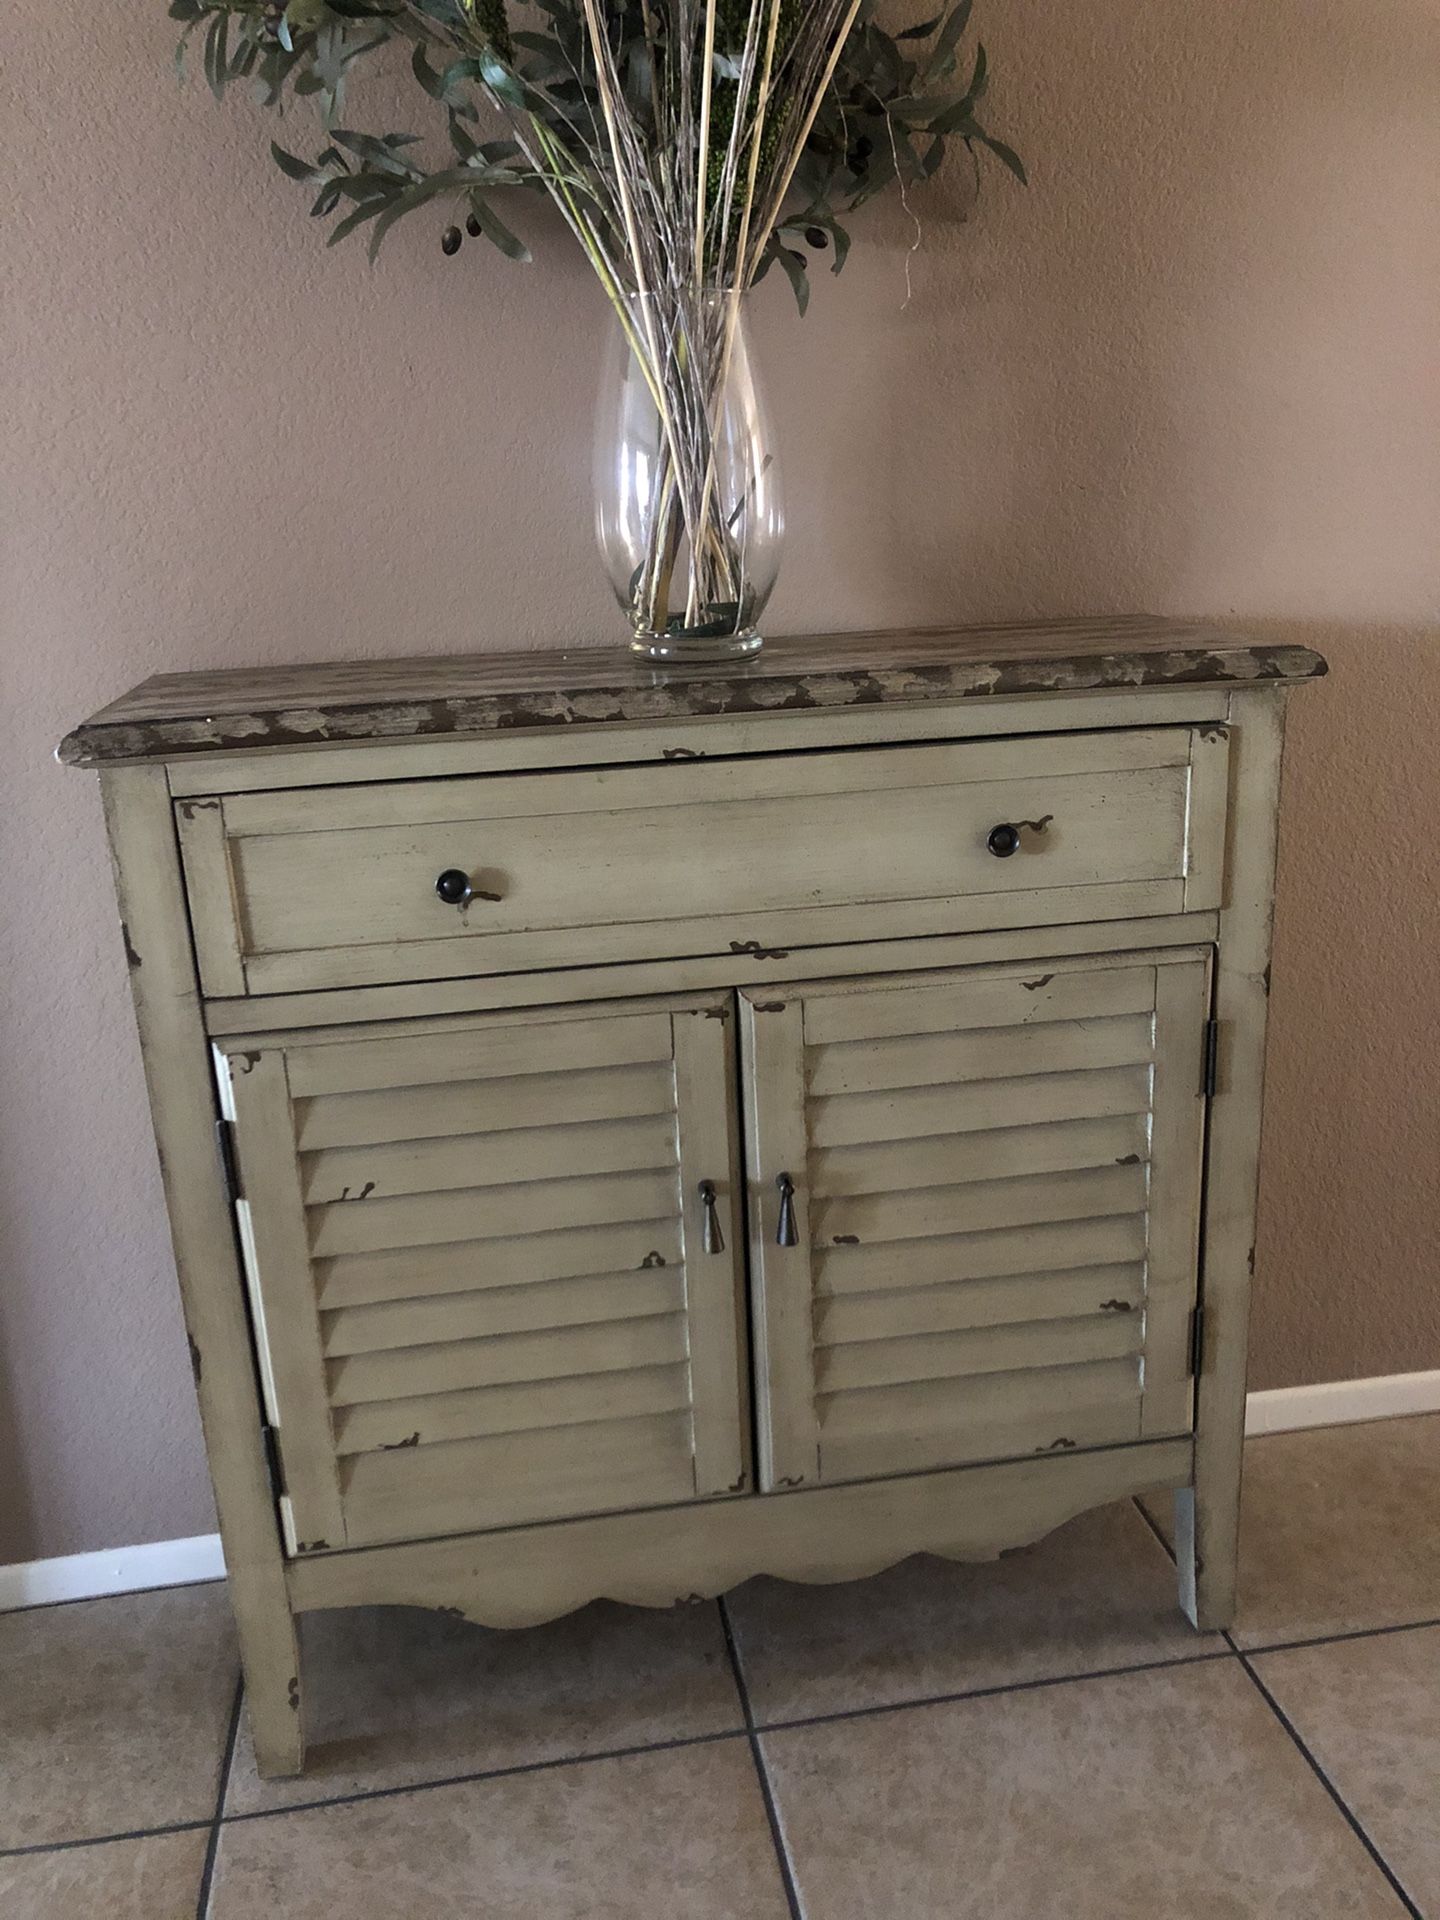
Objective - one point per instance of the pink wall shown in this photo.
(1194, 370)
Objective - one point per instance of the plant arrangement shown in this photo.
(689, 146)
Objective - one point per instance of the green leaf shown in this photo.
(942, 59)
(495, 230)
(921, 32)
(216, 54)
(501, 81)
(957, 119)
(792, 265)
(290, 163)
(357, 217)
(1006, 155)
(980, 78)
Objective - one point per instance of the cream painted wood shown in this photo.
(210, 893)
(677, 1554)
(333, 764)
(772, 1043)
(984, 1077)
(167, 1011)
(707, 1117)
(256, 1097)
(1208, 1512)
(925, 1214)
(601, 861)
(309, 1011)
(1177, 1161)
(510, 956)
(452, 1346)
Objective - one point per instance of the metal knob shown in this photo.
(787, 1234)
(454, 888)
(712, 1239)
(1004, 840)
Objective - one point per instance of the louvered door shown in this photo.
(485, 1284)
(974, 1205)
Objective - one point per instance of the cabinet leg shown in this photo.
(1207, 1524)
(270, 1655)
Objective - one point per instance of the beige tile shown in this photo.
(395, 1695)
(157, 1878)
(1169, 1795)
(642, 1838)
(1369, 1710)
(113, 1714)
(1099, 1592)
(1337, 1530)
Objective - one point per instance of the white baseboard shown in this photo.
(88, 1576)
(176, 1563)
(1339, 1403)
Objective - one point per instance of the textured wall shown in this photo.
(1192, 370)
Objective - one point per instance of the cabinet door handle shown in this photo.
(787, 1234)
(712, 1239)
(454, 888)
(1004, 840)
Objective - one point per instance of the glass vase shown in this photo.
(687, 488)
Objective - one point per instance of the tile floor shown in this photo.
(1038, 1739)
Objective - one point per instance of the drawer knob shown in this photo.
(712, 1239)
(454, 888)
(787, 1234)
(1004, 840)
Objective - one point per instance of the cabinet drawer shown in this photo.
(299, 889)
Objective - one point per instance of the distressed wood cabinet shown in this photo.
(625, 1132)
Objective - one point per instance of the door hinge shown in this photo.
(1210, 1071)
(1197, 1340)
(229, 1161)
(271, 1443)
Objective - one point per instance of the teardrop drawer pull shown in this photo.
(787, 1234)
(712, 1239)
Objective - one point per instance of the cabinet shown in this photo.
(624, 1133)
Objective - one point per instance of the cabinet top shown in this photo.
(173, 714)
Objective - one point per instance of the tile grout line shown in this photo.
(762, 1772)
(709, 1739)
(1231, 1651)
(484, 1774)
(1307, 1640)
(1350, 1818)
(1340, 1639)
(990, 1693)
(227, 1761)
(104, 1839)
(621, 1753)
